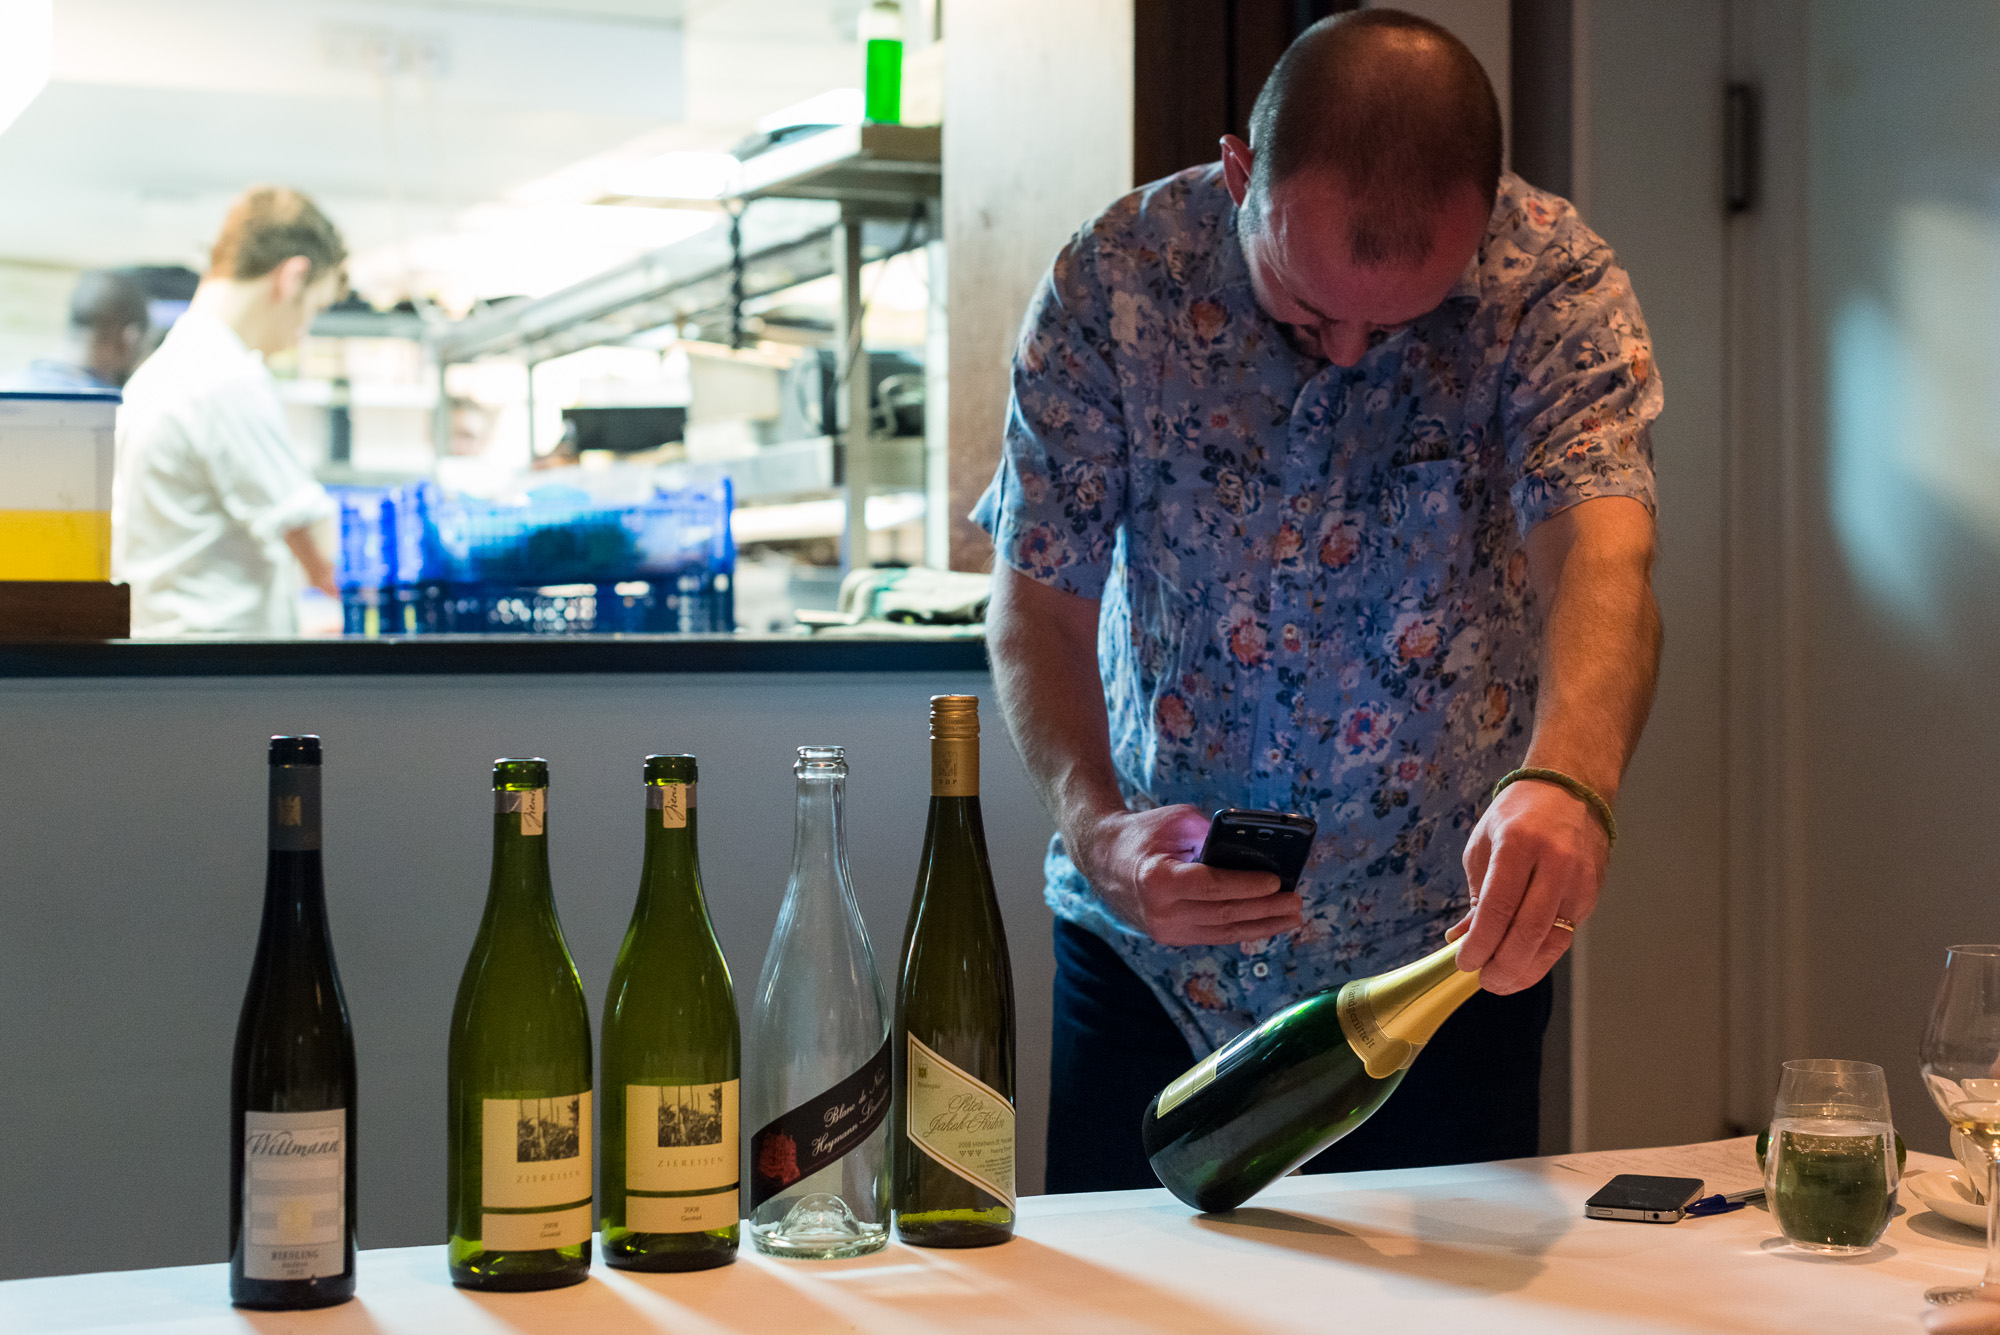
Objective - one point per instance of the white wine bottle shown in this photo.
(291, 1093)
(951, 1129)
(672, 1058)
(518, 1173)
(819, 1071)
(1274, 1096)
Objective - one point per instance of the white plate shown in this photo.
(1949, 1196)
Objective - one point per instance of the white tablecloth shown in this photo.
(1483, 1248)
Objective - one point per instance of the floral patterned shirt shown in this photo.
(1313, 579)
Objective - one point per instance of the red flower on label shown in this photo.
(778, 1159)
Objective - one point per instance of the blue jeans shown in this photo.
(1473, 1095)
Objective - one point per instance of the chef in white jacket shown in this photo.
(212, 510)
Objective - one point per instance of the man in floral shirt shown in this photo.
(1326, 488)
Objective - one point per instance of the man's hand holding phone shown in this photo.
(1144, 864)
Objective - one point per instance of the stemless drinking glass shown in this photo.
(1961, 1064)
(1830, 1174)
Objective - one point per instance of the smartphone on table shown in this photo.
(1273, 841)
(1641, 1196)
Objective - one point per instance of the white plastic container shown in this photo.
(55, 484)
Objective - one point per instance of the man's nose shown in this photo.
(1342, 343)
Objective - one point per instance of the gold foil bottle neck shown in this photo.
(954, 746)
(954, 716)
(1388, 1018)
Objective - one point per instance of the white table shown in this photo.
(1484, 1248)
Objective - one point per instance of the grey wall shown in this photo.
(1896, 621)
(131, 878)
(1648, 978)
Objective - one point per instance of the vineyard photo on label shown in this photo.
(519, 1115)
(671, 1057)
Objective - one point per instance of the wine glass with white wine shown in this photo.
(1961, 1064)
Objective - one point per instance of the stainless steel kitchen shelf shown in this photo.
(795, 197)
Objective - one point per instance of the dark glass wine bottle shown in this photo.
(1274, 1096)
(672, 1058)
(291, 1091)
(952, 1118)
(518, 1184)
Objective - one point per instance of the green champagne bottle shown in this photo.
(672, 1058)
(952, 1115)
(518, 1194)
(291, 1090)
(1274, 1096)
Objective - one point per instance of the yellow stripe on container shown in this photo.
(55, 544)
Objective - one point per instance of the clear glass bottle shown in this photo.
(819, 1071)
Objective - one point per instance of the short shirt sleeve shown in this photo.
(1058, 497)
(1582, 392)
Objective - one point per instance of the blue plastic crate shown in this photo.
(418, 561)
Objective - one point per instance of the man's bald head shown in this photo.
(1391, 107)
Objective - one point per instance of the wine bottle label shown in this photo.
(295, 808)
(1190, 1081)
(681, 1138)
(819, 1131)
(681, 1214)
(535, 1230)
(535, 1154)
(961, 1121)
(955, 767)
(294, 1194)
(1381, 1054)
(532, 803)
(673, 801)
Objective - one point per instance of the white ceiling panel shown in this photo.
(411, 121)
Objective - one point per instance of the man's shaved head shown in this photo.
(1395, 110)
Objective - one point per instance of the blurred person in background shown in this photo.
(108, 329)
(213, 512)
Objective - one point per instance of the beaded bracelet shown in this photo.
(1577, 788)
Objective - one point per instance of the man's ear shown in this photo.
(1236, 163)
(289, 279)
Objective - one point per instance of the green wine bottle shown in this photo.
(952, 1115)
(518, 1193)
(1274, 1096)
(672, 1058)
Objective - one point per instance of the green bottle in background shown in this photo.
(672, 1058)
(952, 1117)
(518, 1193)
(882, 54)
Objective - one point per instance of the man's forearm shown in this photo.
(1600, 654)
(1043, 645)
(318, 569)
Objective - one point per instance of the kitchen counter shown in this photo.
(488, 655)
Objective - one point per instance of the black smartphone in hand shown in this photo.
(1273, 841)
